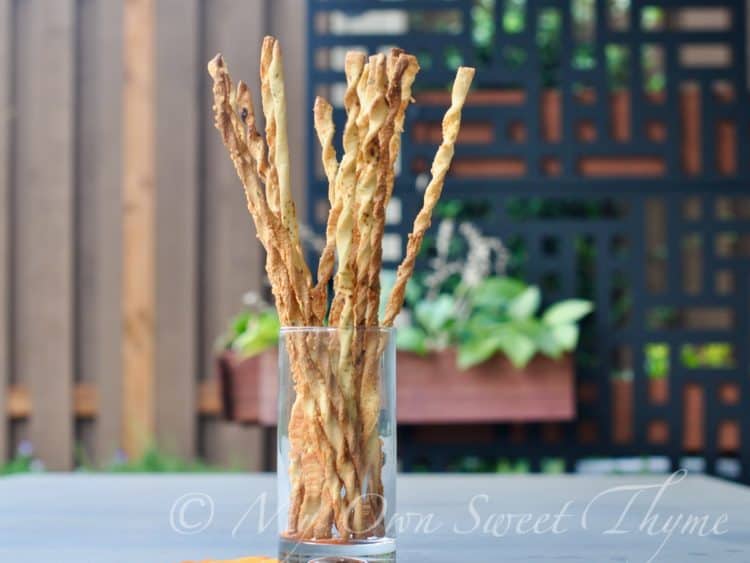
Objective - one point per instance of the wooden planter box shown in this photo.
(248, 386)
(432, 390)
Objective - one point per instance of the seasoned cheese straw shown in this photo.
(345, 178)
(323, 120)
(369, 388)
(278, 185)
(439, 169)
(441, 163)
(367, 186)
(401, 72)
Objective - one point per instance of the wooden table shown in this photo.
(79, 518)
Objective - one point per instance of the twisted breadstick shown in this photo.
(439, 169)
(278, 188)
(323, 120)
(369, 391)
(401, 76)
(345, 179)
(272, 182)
(369, 399)
(371, 157)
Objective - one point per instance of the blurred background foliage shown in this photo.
(618, 57)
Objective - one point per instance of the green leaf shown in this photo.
(526, 304)
(496, 292)
(412, 339)
(413, 292)
(239, 323)
(542, 335)
(261, 333)
(566, 335)
(475, 351)
(568, 311)
(436, 315)
(517, 346)
(548, 343)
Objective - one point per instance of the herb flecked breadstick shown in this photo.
(439, 169)
(345, 178)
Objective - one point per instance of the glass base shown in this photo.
(369, 551)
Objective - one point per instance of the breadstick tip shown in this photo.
(215, 64)
(355, 57)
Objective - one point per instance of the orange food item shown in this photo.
(240, 560)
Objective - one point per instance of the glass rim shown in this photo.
(332, 329)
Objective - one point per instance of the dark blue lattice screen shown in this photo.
(606, 144)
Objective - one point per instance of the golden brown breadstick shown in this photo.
(394, 148)
(323, 120)
(398, 80)
(278, 190)
(286, 202)
(397, 59)
(344, 280)
(440, 165)
(367, 185)
(230, 127)
(369, 388)
(254, 141)
(345, 178)
(272, 183)
(266, 220)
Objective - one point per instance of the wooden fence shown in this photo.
(124, 241)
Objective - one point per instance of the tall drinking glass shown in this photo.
(336, 444)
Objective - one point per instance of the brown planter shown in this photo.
(432, 390)
(243, 385)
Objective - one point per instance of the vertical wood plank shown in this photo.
(179, 111)
(99, 217)
(231, 257)
(138, 228)
(43, 229)
(234, 446)
(232, 262)
(5, 128)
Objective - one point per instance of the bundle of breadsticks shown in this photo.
(335, 452)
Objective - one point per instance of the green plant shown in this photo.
(252, 331)
(499, 315)
(22, 462)
(550, 54)
(155, 461)
(657, 360)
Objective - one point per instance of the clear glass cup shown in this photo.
(336, 444)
